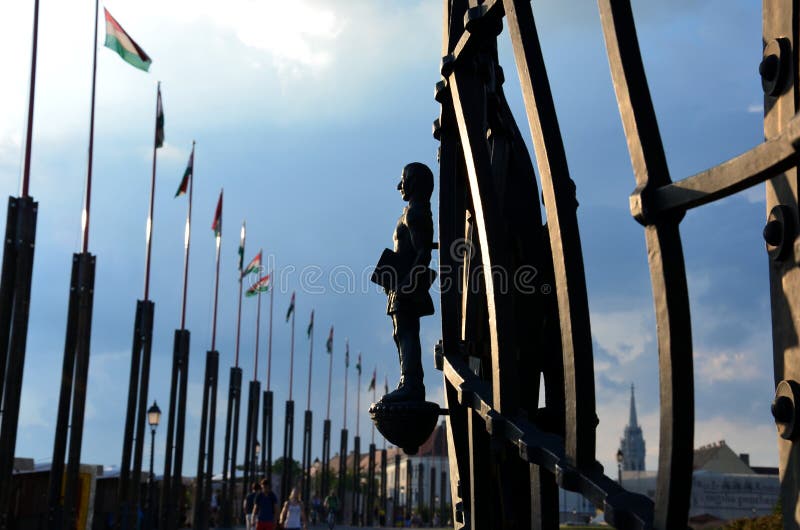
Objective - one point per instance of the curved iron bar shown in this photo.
(667, 270)
(623, 509)
(560, 204)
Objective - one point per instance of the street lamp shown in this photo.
(153, 417)
(620, 457)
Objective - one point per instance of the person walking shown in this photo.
(264, 507)
(332, 505)
(248, 504)
(293, 516)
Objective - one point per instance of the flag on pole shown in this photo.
(291, 308)
(260, 286)
(347, 353)
(358, 363)
(385, 384)
(372, 381)
(159, 120)
(184, 185)
(118, 40)
(216, 226)
(310, 325)
(241, 249)
(329, 343)
(254, 265)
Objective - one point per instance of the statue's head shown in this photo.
(416, 182)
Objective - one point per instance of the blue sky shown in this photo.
(306, 112)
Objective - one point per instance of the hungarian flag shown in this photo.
(291, 308)
(216, 226)
(187, 175)
(372, 381)
(119, 41)
(159, 120)
(347, 353)
(241, 249)
(260, 286)
(329, 343)
(385, 384)
(254, 265)
(310, 325)
(358, 363)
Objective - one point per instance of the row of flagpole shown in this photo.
(15, 284)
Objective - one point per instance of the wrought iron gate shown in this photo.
(501, 331)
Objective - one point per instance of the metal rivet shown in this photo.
(775, 66)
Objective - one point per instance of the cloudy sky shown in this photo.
(305, 112)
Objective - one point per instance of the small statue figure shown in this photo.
(406, 278)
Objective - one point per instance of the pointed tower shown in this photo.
(632, 442)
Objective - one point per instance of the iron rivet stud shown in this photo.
(779, 233)
(784, 409)
(775, 66)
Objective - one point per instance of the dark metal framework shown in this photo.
(171, 507)
(15, 296)
(508, 456)
(134, 435)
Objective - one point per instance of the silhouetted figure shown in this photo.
(408, 297)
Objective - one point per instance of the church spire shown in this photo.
(632, 443)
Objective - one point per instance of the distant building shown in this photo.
(632, 443)
(724, 486)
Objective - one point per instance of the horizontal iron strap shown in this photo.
(757, 165)
(624, 509)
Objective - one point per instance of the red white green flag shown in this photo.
(358, 363)
(241, 248)
(260, 286)
(372, 381)
(159, 120)
(329, 343)
(254, 265)
(187, 175)
(310, 328)
(347, 353)
(118, 40)
(385, 384)
(216, 226)
(291, 309)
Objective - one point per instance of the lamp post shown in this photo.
(153, 417)
(620, 457)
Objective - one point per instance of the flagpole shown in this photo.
(149, 229)
(346, 367)
(15, 278)
(330, 376)
(234, 397)
(186, 241)
(310, 357)
(26, 172)
(258, 334)
(358, 394)
(88, 197)
(291, 354)
(269, 343)
(374, 399)
(239, 314)
(216, 282)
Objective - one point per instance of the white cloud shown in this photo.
(623, 334)
(727, 366)
(755, 108)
